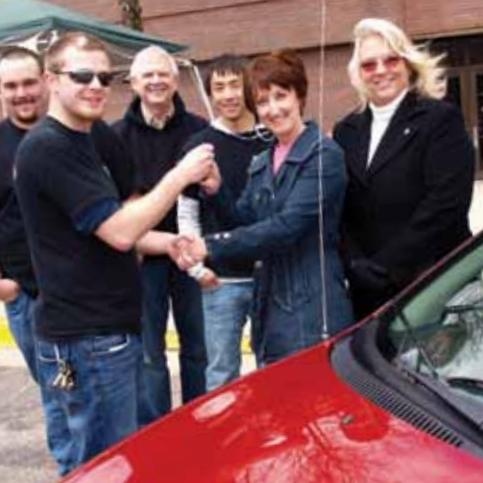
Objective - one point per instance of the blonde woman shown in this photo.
(410, 165)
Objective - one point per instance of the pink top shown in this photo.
(279, 155)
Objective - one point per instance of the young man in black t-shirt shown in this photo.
(82, 238)
(227, 287)
(23, 93)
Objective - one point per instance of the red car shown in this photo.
(397, 398)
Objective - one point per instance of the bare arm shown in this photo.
(134, 219)
(155, 243)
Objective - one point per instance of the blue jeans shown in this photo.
(102, 407)
(226, 310)
(162, 282)
(20, 315)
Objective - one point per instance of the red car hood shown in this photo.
(294, 421)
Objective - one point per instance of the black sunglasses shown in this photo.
(86, 76)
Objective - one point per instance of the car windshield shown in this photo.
(438, 335)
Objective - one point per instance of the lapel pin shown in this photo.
(407, 131)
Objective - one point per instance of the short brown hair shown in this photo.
(17, 52)
(283, 68)
(53, 57)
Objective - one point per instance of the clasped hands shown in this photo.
(199, 166)
(187, 250)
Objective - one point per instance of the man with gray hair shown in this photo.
(155, 128)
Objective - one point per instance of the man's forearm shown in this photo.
(155, 243)
(127, 225)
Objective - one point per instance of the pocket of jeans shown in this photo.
(110, 344)
(15, 307)
(46, 352)
(210, 290)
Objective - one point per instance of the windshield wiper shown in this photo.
(443, 388)
(466, 383)
(418, 345)
(440, 386)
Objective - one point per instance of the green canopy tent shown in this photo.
(36, 24)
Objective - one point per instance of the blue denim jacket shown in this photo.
(280, 224)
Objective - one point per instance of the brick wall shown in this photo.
(107, 10)
(342, 15)
(427, 18)
(241, 27)
(339, 97)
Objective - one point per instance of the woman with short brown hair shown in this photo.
(288, 216)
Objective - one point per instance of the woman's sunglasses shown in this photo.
(389, 62)
(86, 76)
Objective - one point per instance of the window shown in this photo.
(464, 61)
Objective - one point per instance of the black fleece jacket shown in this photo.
(156, 151)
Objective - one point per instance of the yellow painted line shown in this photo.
(6, 339)
(172, 341)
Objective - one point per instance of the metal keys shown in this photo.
(65, 377)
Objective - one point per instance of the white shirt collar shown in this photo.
(155, 122)
(388, 109)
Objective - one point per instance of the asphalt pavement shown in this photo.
(24, 457)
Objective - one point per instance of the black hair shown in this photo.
(230, 64)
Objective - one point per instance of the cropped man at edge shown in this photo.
(81, 238)
(227, 287)
(23, 95)
(155, 127)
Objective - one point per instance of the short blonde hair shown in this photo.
(54, 57)
(426, 76)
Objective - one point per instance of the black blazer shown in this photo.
(410, 207)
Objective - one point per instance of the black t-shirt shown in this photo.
(86, 287)
(14, 251)
(113, 153)
(15, 260)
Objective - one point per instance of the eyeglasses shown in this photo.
(86, 76)
(390, 62)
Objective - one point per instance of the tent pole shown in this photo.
(195, 73)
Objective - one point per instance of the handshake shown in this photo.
(187, 250)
